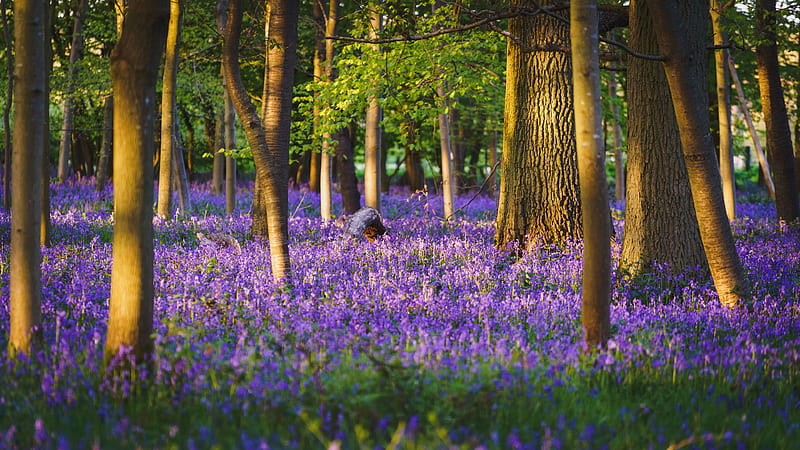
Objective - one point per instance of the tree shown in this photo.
(134, 71)
(7, 107)
(591, 166)
(168, 119)
(660, 223)
(373, 134)
(539, 198)
(721, 57)
(325, 165)
(67, 107)
(30, 103)
(686, 88)
(269, 142)
(776, 119)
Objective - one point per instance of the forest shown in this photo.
(400, 224)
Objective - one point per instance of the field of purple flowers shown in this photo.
(428, 338)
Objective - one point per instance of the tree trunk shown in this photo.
(345, 165)
(30, 103)
(134, 72)
(168, 119)
(660, 222)
(446, 153)
(179, 176)
(7, 108)
(687, 88)
(373, 132)
(218, 170)
(230, 144)
(619, 158)
(107, 144)
(591, 165)
(539, 188)
(776, 119)
(414, 171)
(67, 107)
(724, 112)
(270, 142)
(45, 225)
(326, 171)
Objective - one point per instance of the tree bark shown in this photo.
(168, 119)
(327, 153)
(660, 222)
(445, 152)
(591, 165)
(230, 144)
(67, 107)
(270, 142)
(30, 103)
(776, 119)
(687, 88)
(134, 72)
(45, 224)
(724, 111)
(218, 170)
(539, 188)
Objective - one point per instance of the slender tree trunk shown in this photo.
(698, 149)
(591, 165)
(218, 174)
(67, 107)
(25, 292)
(762, 159)
(168, 119)
(315, 166)
(660, 222)
(181, 180)
(230, 144)
(493, 162)
(539, 187)
(326, 169)
(7, 108)
(270, 142)
(373, 133)
(134, 72)
(446, 154)
(107, 144)
(619, 158)
(776, 119)
(724, 111)
(345, 164)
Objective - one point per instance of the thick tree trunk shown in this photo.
(30, 103)
(660, 222)
(270, 142)
(134, 72)
(539, 190)
(776, 119)
(724, 112)
(687, 88)
(168, 120)
(591, 164)
(67, 107)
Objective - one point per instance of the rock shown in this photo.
(365, 222)
(219, 240)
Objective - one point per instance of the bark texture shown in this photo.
(168, 119)
(539, 191)
(134, 72)
(724, 111)
(660, 222)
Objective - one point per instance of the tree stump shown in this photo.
(365, 222)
